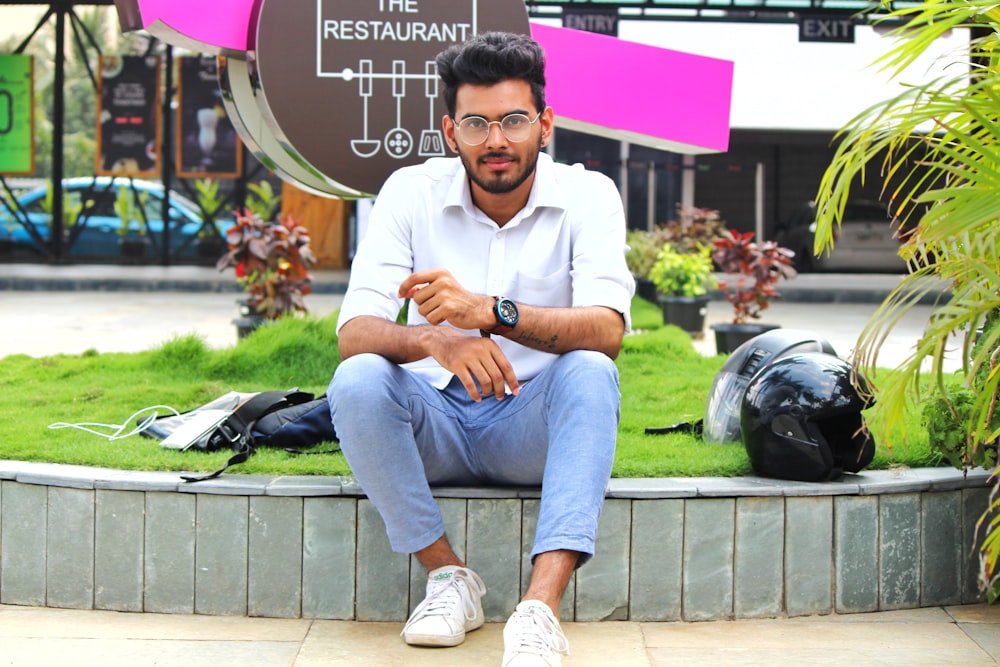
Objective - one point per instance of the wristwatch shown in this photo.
(506, 315)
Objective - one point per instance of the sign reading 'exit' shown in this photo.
(826, 28)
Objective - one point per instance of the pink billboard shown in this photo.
(597, 84)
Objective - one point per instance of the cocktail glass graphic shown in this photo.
(208, 123)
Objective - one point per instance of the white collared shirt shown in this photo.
(565, 248)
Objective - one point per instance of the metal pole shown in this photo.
(166, 158)
(758, 209)
(651, 195)
(623, 153)
(687, 181)
(58, 114)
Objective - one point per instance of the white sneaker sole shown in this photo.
(414, 639)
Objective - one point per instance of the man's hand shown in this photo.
(472, 359)
(440, 298)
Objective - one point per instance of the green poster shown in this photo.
(17, 126)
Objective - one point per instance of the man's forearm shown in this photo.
(396, 342)
(560, 330)
(555, 330)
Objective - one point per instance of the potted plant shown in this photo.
(7, 243)
(753, 270)
(682, 281)
(131, 209)
(271, 261)
(693, 227)
(263, 200)
(643, 245)
(72, 207)
(210, 244)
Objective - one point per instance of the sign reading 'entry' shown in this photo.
(602, 20)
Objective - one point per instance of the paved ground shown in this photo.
(31, 637)
(51, 310)
(41, 323)
(44, 323)
(69, 309)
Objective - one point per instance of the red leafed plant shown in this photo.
(271, 261)
(756, 270)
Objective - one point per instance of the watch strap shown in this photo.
(500, 328)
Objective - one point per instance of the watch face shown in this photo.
(507, 310)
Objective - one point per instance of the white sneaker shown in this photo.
(451, 608)
(533, 637)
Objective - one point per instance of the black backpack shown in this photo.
(290, 420)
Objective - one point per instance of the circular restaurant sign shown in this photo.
(351, 89)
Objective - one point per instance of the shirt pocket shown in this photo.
(554, 289)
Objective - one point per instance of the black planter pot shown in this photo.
(247, 325)
(134, 250)
(729, 336)
(686, 312)
(8, 250)
(210, 249)
(645, 288)
(249, 319)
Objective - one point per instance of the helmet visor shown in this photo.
(722, 416)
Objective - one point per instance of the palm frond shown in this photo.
(937, 146)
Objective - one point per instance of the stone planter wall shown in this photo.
(669, 549)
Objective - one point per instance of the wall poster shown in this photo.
(207, 143)
(128, 116)
(17, 120)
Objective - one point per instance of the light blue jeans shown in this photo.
(400, 436)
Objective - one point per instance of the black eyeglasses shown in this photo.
(474, 130)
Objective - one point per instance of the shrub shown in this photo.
(756, 270)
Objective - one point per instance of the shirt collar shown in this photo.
(544, 193)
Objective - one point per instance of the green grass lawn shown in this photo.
(664, 381)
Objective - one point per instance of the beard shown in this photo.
(498, 183)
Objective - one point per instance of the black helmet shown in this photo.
(722, 413)
(801, 419)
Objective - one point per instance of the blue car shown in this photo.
(94, 209)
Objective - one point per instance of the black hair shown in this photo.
(489, 58)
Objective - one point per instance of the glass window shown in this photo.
(593, 152)
(667, 172)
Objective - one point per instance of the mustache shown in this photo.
(497, 156)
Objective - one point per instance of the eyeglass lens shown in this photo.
(515, 126)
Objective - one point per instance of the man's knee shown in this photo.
(358, 377)
(588, 366)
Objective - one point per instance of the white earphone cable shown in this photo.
(119, 431)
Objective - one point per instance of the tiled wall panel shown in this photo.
(667, 549)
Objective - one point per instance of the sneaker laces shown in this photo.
(446, 594)
(537, 631)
